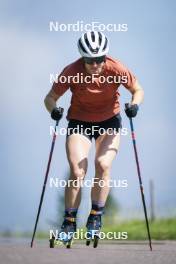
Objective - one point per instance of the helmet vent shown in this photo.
(81, 46)
(93, 36)
(105, 45)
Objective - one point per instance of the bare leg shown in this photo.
(77, 147)
(106, 149)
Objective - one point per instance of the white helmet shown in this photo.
(93, 44)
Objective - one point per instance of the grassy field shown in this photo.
(160, 229)
(163, 229)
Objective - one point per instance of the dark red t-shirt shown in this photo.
(98, 100)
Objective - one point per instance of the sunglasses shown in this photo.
(98, 60)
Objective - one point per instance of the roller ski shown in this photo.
(65, 236)
(93, 229)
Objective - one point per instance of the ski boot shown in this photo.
(65, 236)
(93, 229)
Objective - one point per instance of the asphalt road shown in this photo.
(133, 253)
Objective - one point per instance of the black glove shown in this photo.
(57, 113)
(131, 110)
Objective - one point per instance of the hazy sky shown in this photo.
(30, 52)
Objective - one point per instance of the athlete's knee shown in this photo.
(78, 169)
(77, 173)
(102, 166)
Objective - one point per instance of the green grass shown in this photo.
(162, 229)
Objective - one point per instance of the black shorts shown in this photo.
(95, 129)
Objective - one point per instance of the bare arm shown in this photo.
(50, 100)
(137, 93)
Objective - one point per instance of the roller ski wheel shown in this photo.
(52, 242)
(95, 242)
(94, 237)
(69, 243)
(87, 242)
(55, 242)
(65, 236)
(93, 229)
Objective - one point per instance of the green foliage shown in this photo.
(161, 229)
(111, 210)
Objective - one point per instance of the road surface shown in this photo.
(127, 253)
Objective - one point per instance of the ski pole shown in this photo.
(45, 182)
(140, 179)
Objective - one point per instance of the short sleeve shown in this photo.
(130, 79)
(61, 85)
